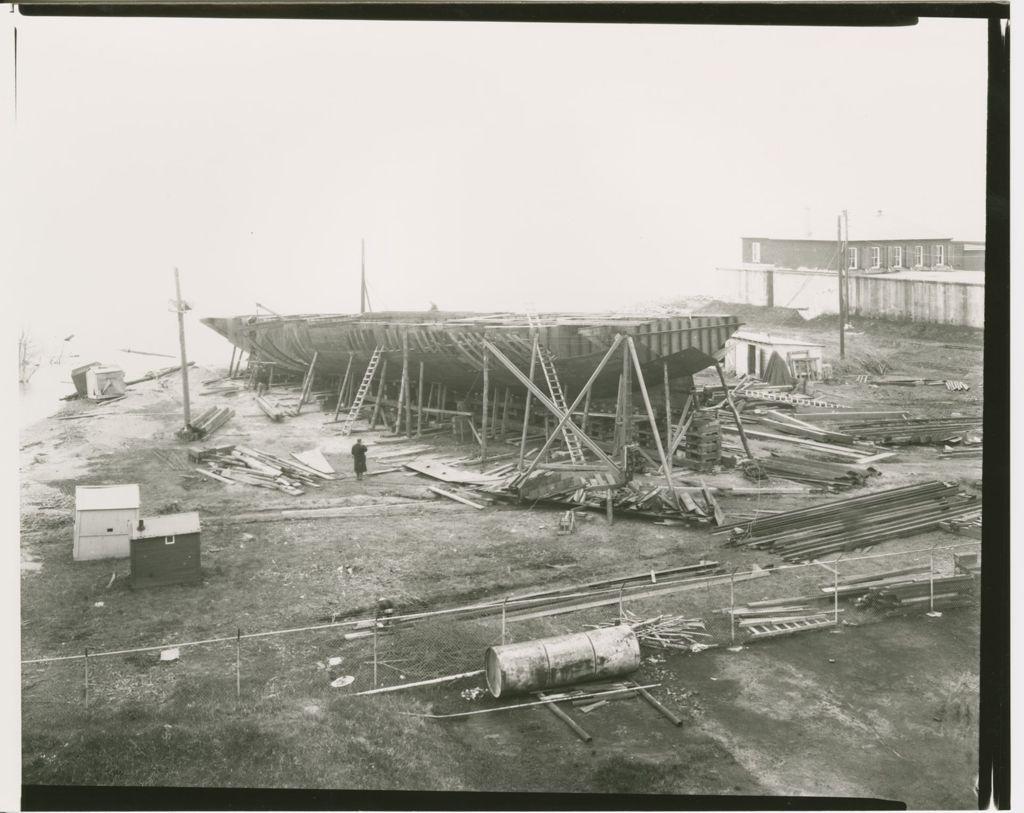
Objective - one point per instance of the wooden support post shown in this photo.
(568, 413)
(307, 384)
(627, 398)
(654, 424)
(494, 414)
(380, 395)
(443, 396)
(407, 385)
(181, 308)
(270, 376)
(549, 436)
(504, 411)
(931, 583)
(732, 606)
(375, 626)
(550, 406)
(586, 413)
(419, 403)
(231, 364)
(483, 433)
(402, 402)
(344, 383)
(684, 423)
(526, 411)
(735, 412)
(619, 432)
(622, 587)
(238, 666)
(668, 417)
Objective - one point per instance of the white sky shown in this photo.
(488, 166)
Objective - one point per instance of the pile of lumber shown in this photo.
(940, 593)
(270, 408)
(856, 586)
(239, 464)
(912, 430)
(210, 421)
(855, 522)
(968, 526)
(833, 476)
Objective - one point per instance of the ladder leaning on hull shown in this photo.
(364, 387)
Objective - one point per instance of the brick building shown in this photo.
(931, 254)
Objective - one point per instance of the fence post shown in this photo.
(503, 605)
(931, 582)
(621, 587)
(238, 667)
(87, 678)
(732, 606)
(375, 649)
(835, 592)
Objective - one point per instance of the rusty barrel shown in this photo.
(561, 660)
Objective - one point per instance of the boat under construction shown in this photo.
(451, 346)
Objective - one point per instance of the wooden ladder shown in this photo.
(572, 442)
(364, 387)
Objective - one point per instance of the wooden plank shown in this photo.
(315, 459)
(452, 496)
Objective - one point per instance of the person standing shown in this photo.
(359, 459)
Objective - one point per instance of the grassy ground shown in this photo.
(899, 700)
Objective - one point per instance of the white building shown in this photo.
(104, 518)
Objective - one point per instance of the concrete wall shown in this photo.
(875, 296)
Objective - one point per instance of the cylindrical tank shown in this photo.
(561, 660)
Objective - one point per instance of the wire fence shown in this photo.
(267, 670)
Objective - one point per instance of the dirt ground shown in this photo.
(879, 708)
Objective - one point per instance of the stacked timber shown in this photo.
(924, 594)
(239, 464)
(210, 421)
(833, 476)
(855, 522)
(270, 409)
(909, 431)
(703, 443)
(854, 587)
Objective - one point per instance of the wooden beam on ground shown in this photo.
(457, 497)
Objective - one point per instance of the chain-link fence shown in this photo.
(260, 671)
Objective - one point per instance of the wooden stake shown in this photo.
(419, 403)
(238, 666)
(344, 383)
(735, 412)
(483, 433)
(181, 308)
(654, 424)
(526, 412)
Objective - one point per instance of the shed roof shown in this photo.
(768, 338)
(168, 525)
(98, 498)
(108, 369)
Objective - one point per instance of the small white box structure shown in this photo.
(104, 518)
(748, 353)
(104, 382)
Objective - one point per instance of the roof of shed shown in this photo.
(98, 498)
(768, 338)
(168, 525)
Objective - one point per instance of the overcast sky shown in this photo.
(488, 166)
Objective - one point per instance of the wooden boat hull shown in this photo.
(448, 344)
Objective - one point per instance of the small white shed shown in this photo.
(104, 382)
(748, 353)
(104, 518)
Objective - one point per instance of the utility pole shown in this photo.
(842, 301)
(181, 307)
(362, 285)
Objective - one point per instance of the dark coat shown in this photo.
(359, 456)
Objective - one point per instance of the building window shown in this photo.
(168, 540)
(876, 257)
(851, 258)
(896, 256)
(755, 252)
(918, 256)
(939, 255)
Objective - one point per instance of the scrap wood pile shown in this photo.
(779, 428)
(220, 386)
(832, 476)
(855, 522)
(240, 464)
(271, 409)
(666, 631)
(965, 526)
(939, 593)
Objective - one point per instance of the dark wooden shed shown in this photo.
(165, 550)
